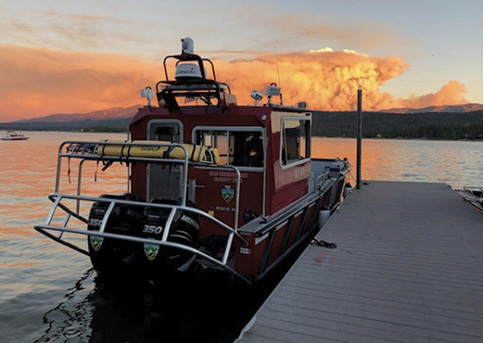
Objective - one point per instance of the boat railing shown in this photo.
(85, 151)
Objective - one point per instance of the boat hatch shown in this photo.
(165, 182)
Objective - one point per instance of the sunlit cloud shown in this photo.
(326, 49)
(56, 30)
(37, 82)
(450, 93)
(325, 79)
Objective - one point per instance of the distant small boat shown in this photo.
(13, 136)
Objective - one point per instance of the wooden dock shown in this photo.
(407, 268)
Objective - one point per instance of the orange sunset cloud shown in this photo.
(451, 93)
(37, 82)
(325, 79)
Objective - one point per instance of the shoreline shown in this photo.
(316, 136)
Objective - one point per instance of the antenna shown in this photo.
(278, 71)
(277, 68)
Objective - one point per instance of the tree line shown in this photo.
(89, 125)
(435, 125)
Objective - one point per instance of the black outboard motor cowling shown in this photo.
(108, 255)
(184, 230)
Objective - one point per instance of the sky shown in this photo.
(80, 56)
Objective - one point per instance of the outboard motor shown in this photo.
(184, 230)
(108, 255)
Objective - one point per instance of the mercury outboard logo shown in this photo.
(190, 221)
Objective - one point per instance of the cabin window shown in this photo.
(215, 139)
(165, 130)
(247, 149)
(237, 148)
(165, 133)
(295, 142)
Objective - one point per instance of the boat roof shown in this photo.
(255, 111)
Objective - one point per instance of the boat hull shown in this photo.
(270, 244)
(14, 138)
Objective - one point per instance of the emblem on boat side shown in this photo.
(151, 250)
(96, 242)
(227, 193)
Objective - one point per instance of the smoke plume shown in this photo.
(449, 94)
(328, 80)
(325, 79)
(37, 82)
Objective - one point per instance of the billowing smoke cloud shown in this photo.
(329, 80)
(38, 82)
(325, 79)
(451, 93)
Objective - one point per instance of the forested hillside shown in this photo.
(449, 126)
(105, 125)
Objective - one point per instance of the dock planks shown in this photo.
(407, 268)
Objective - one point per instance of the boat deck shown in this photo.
(407, 268)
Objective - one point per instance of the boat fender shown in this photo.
(167, 153)
(198, 153)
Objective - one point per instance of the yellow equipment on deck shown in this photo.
(196, 153)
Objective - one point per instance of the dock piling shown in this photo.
(359, 137)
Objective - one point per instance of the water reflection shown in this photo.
(70, 320)
(133, 312)
(457, 163)
(35, 272)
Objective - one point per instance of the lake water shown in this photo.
(48, 293)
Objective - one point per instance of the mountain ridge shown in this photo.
(128, 112)
(429, 125)
(110, 113)
(470, 107)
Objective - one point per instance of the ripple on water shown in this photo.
(48, 295)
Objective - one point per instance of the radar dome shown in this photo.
(187, 71)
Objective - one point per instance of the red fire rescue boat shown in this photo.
(212, 185)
